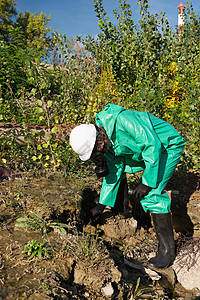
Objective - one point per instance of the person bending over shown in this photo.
(126, 141)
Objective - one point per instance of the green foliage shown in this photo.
(35, 222)
(78, 76)
(7, 12)
(49, 96)
(145, 66)
(141, 58)
(23, 39)
(31, 26)
(36, 249)
(132, 51)
(13, 60)
(35, 31)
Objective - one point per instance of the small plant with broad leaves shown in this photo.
(35, 222)
(36, 249)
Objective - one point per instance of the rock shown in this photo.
(193, 208)
(108, 290)
(62, 268)
(187, 265)
(80, 276)
(152, 274)
(6, 174)
(119, 228)
(94, 278)
(87, 295)
(168, 278)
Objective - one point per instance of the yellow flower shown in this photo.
(172, 69)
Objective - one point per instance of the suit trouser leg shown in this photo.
(158, 201)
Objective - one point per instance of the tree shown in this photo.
(31, 25)
(7, 14)
(35, 31)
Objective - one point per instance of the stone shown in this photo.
(108, 290)
(187, 266)
(94, 278)
(119, 228)
(87, 295)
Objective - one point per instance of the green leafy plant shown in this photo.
(141, 57)
(36, 249)
(35, 222)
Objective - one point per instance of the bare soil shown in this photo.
(84, 259)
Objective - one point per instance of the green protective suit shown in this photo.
(139, 141)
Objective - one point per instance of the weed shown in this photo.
(19, 195)
(138, 290)
(87, 248)
(36, 249)
(35, 222)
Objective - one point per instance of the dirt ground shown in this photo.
(80, 261)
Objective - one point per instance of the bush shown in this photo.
(146, 67)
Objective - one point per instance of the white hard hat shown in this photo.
(82, 140)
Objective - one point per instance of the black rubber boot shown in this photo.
(166, 247)
(95, 214)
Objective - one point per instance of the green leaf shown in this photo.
(49, 103)
(39, 102)
(33, 91)
(41, 133)
(21, 219)
(45, 145)
(38, 110)
(56, 120)
(54, 129)
(41, 118)
(43, 85)
(39, 254)
(21, 225)
(33, 254)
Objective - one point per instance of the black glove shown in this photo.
(95, 213)
(141, 190)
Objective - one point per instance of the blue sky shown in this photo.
(77, 17)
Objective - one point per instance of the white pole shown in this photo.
(181, 16)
